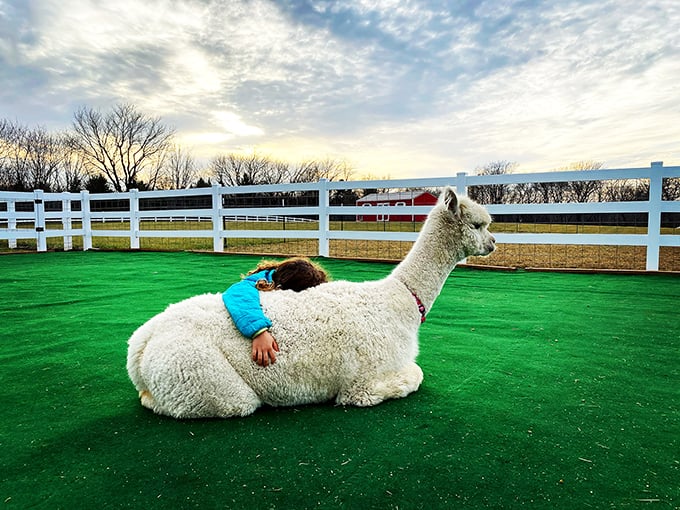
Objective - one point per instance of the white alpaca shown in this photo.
(352, 342)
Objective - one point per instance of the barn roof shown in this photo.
(400, 195)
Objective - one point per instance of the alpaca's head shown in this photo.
(469, 223)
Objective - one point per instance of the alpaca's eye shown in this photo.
(477, 226)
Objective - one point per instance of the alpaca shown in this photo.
(353, 342)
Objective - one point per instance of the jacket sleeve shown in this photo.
(242, 300)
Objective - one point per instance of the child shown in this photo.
(242, 299)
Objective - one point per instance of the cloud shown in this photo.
(553, 86)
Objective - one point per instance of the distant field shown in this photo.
(512, 255)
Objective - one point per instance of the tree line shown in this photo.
(124, 149)
(622, 190)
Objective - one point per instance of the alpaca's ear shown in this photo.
(451, 200)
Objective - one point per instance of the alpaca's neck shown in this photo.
(431, 259)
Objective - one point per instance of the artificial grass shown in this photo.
(542, 389)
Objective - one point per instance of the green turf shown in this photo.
(541, 390)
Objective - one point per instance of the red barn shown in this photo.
(400, 198)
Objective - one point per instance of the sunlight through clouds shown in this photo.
(233, 124)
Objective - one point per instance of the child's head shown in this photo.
(297, 273)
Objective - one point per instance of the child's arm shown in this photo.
(242, 300)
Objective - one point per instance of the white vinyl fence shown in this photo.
(69, 222)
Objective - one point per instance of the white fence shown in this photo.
(15, 224)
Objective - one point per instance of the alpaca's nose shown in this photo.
(492, 244)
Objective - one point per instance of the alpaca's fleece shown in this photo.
(190, 360)
(352, 342)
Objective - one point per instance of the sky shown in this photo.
(396, 88)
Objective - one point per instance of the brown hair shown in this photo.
(297, 273)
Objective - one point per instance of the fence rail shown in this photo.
(70, 222)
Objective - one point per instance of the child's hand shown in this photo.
(265, 349)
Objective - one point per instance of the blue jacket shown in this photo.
(242, 300)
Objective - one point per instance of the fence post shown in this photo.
(39, 215)
(461, 189)
(324, 203)
(11, 222)
(217, 222)
(134, 219)
(461, 183)
(86, 221)
(66, 224)
(654, 215)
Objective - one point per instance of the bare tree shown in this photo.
(578, 191)
(241, 170)
(179, 171)
(125, 145)
(522, 193)
(29, 158)
(549, 192)
(229, 170)
(154, 173)
(245, 170)
(73, 174)
(625, 190)
(14, 156)
(314, 169)
(8, 143)
(274, 171)
(584, 191)
(44, 157)
(492, 193)
(671, 188)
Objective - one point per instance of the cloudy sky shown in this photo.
(398, 88)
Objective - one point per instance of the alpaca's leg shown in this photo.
(369, 392)
(194, 382)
